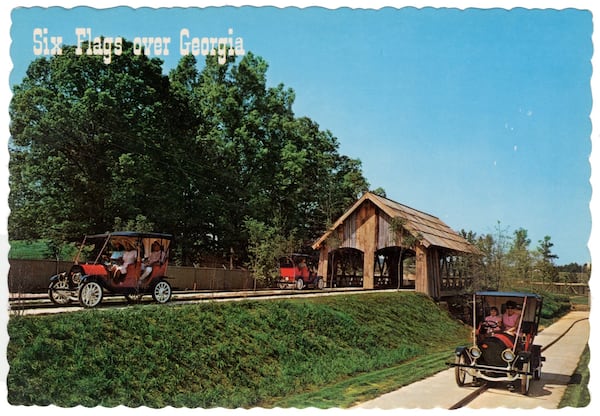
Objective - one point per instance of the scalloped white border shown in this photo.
(5, 68)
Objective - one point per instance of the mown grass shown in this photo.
(366, 386)
(39, 250)
(577, 393)
(287, 353)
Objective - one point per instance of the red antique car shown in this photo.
(298, 271)
(129, 263)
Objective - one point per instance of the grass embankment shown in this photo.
(321, 352)
(578, 393)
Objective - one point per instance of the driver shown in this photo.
(494, 317)
(492, 322)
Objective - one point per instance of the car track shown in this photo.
(483, 388)
(37, 304)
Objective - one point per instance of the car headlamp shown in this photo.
(475, 352)
(508, 355)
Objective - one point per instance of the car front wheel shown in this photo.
(460, 372)
(59, 292)
(90, 294)
(525, 379)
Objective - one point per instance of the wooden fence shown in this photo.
(32, 276)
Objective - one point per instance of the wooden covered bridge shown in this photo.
(379, 243)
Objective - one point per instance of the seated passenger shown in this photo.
(510, 319)
(302, 264)
(493, 322)
(155, 257)
(117, 254)
(129, 257)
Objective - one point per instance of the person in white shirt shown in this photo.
(155, 257)
(129, 257)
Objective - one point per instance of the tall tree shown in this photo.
(519, 256)
(273, 165)
(546, 260)
(80, 130)
(198, 153)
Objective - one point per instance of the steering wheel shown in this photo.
(490, 324)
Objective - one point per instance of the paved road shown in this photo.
(441, 390)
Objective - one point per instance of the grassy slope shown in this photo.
(229, 354)
(577, 393)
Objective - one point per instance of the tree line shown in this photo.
(208, 154)
(214, 156)
(508, 260)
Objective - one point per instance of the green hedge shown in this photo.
(555, 305)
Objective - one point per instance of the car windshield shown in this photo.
(91, 249)
(526, 306)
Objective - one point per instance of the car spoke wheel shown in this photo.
(460, 373)
(90, 294)
(525, 379)
(161, 292)
(320, 283)
(59, 292)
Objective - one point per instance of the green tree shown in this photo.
(266, 244)
(545, 263)
(519, 256)
(379, 191)
(270, 164)
(476, 265)
(80, 131)
(194, 153)
(493, 264)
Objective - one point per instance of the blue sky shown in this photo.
(475, 116)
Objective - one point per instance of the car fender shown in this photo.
(522, 358)
(56, 277)
(460, 350)
(93, 278)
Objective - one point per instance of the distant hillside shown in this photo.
(244, 354)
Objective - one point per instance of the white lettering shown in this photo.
(46, 45)
(98, 45)
(222, 47)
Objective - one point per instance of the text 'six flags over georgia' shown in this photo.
(47, 44)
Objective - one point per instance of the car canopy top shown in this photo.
(528, 304)
(130, 240)
(508, 294)
(132, 234)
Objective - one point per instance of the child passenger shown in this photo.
(494, 316)
(492, 323)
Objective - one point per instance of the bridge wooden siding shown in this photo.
(368, 227)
